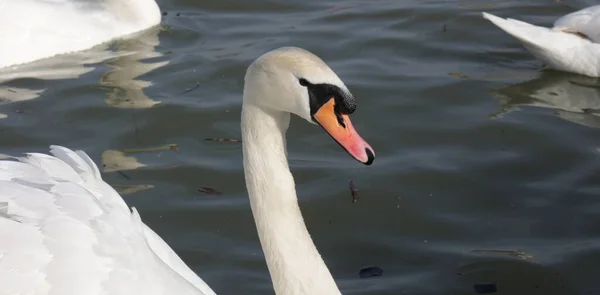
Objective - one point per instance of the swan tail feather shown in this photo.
(528, 34)
(557, 48)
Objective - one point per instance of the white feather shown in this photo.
(571, 46)
(585, 21)
(63, 230)
(36, 29)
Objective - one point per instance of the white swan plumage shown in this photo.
(31, 30)
(571, 45)
(63, 230)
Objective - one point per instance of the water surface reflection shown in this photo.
(574, 98)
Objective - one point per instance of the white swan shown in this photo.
(31, 30)
(63, 230)
(572, 45)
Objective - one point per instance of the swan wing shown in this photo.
(585, 21)
(63, 230)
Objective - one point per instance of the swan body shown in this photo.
(31, 30)
(571, 45)
(63, 230)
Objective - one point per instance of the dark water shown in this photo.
(487, 168)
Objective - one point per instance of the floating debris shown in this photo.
(485, 288)
(223, 139)
(193, 88)
(353, 191)
(209, 190)
(172, 147)
(371, 271)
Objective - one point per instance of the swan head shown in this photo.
(294, 80)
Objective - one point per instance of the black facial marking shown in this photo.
(319, 94)
(338, 115)
(303, 82)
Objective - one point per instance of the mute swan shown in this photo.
(63, 230)
(31, 30)
(572, 45)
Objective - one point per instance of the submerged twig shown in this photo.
(172, 147)
(209, 190)
(193, 88)
(353, 191)
(124, 175)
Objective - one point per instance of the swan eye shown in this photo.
(303, 82)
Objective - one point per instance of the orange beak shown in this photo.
(340, 127)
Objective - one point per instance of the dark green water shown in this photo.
(488, 168)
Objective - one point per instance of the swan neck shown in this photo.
(294, 263)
